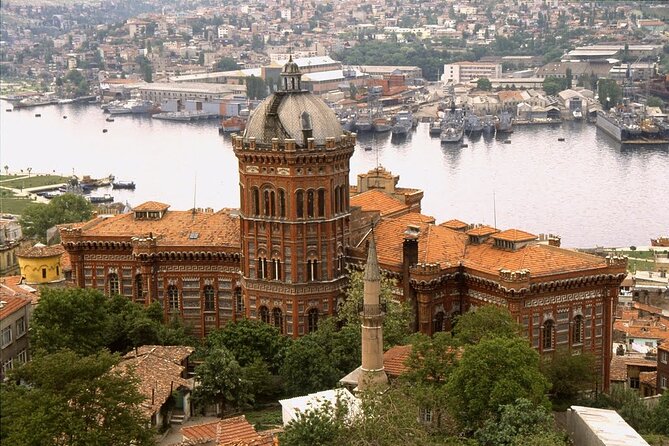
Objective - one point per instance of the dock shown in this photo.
(185, 115)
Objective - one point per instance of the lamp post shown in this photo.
(29, 169)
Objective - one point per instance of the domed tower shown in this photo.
(294, 207)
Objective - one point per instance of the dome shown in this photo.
(294, 115)
(291, 67)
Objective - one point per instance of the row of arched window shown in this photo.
(271, 269)
(310, 203)
(276, 318)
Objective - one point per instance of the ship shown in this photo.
(381, 124)
(577, 114)
(95, 199)
(403, 123)
(620, 126)
(453, 132)
(473, 125)
(123, 185)
(363, 122)
(234, 124)
(133, 106)
(504, 122)
(488, 125)
(435, 127)
(660, 241)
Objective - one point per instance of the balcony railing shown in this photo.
(371, 309)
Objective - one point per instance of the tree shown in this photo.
(70, 318)
(569, 375)
(520, 422)
(654, 101)
(308, 367)
(226, 64)
(553, 85)
(489, 321)
(569, 78)
(221, 381)
(67, 399)
(609, 93)
(490, 374)
(255, 88)
(660, 420)
(66, 208)
(484, 84)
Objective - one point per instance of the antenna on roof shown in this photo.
(494, 209)
(194, 193)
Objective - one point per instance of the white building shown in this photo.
(291, 407)
(466, 71)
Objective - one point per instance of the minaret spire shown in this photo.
(371, 317)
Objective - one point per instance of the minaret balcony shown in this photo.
(371, 310)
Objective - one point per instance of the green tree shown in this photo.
(308, 367)
(221, 381)
(70, 318)
(249, 339)
(484, 84)
(569, 78)
(490, 374)
(73, 400)
(255, 88)
(519, 422)
(66, 208)
(660, 420)
(489, 321)
(569, 375)
(609, 93)
(654, 101)
(226, 64)
(553, 85)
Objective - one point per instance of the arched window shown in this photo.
(299, 199)
(312, 320)
(266, 201)
(282, 203)
(439, 321)
(262, 268)
(264, 314)
(173, 298)
(209, 298)
(239, 302)
(272, 204)
(112, 281)
(139, 286)
(255, 199)
(577, 330)
(312, 270)
(336, 199)
(321, 202)
(548, 329)
(276, 269)
(310, 203)
(277, 319)
(342, 203)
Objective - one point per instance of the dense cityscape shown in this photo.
(307, 296)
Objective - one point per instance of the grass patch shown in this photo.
(656, 440)
(35, 181)
(638, 254)
(12, 205)
(640, 265)
(267, 418)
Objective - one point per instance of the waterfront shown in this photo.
(586, 189)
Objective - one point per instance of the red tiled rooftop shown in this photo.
(12, 287)
(515, 235)
(376, 200)
(205, 431)
(454, 224)
(12, 304)
(151, 206)
(39, 250)
(234, 430)
(394, 360)
(482, 230)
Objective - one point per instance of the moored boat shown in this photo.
(660, 241)
(435, 127)
(123, 185)
(234, 124)
(403, 123)
(504, 122)
(473, 125)
(381, 124)
(95, 199)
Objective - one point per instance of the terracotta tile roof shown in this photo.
(482, 230)
(514, 235)
(159, 370)
(233, 430)
(175, 228)
(11, 304)
(648, 378)
(642, 328)
(39, 250)
(205, 431)
(376, 200)
(436, 244)
(394, 360)
(12, 287)
(540, 260)
(454, 224)
(618, 368)
(151, 206)
(647, 308)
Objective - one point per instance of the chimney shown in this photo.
(409, 259)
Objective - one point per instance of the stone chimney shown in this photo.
(372, 315)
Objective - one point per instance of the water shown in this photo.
(586, 189)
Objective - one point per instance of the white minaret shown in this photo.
(371, 316)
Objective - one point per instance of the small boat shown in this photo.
(109, 119)
(507, 141)
(660, 241)
(561, 139)
(37, 115)
(234, 124)
(9, 110)
(368, 148)
(104, 130)
(464, 145)
(577, 114)
(435, 127)
(123, 185)
(106, 198)
(403, 123)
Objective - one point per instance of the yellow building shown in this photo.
(41, 264)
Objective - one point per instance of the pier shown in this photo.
(185, 115)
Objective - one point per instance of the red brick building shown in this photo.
(281, 257)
